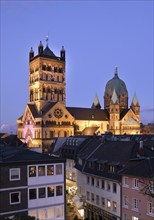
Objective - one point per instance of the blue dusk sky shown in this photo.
(97, 36)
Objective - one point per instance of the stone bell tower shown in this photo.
(46, 77)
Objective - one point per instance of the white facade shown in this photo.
(100, 192)
(46, 191)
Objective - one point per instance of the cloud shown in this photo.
(147, 110)
(6, 128)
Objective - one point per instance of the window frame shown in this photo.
(11, 169)
(14, 203)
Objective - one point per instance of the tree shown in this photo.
(147, 187)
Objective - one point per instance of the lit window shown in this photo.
(108, 203)
(42, 214)
(50, 170)
(41, 193)
(15, 174)
(135, 218)
(59, 190)
(114, 206)
(59, 212)
(59, 169)
(51, 191)
(41, 170)
(14, 198)
(32, 171)
(51, 213)
(32, 194)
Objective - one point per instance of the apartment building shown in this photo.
(31, 184)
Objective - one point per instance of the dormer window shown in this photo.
(80, 161)
(112, 169)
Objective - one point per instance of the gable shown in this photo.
(28, 114)
(58, 112)
(130, 117)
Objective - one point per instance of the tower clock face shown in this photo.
(58, 113)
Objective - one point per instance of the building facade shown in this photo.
(31, 184)
(46, 115)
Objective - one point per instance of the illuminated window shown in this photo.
(32, 171)
(59, 190)
(42, 193)
(114, 206)
(59, 212)
(51, 213)
(32, 194)
(41, 170)
(51, 190)
(50, 170)
(42, 214)
(108, 203)
(59, 169)
(135, 218)
(15, 174)
(15, 198)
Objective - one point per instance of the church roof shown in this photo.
(88, 114)
(48, 52)
(116, 84)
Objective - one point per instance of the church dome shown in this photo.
(116, 84)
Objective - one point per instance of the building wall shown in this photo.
(129, 193)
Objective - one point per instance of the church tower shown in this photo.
(114, 120)
(46, 77)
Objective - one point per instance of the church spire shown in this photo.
(96, 103)
(135, 101)
(116, 71)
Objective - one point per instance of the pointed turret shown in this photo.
(40, 48)
(96, 103)
(31, 53)
(135, 101)
(135, 106)
(62, 54)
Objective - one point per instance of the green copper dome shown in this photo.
(116, 84)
